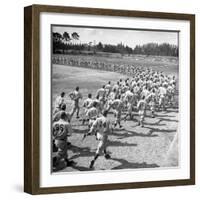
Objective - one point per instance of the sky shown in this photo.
(116, 36)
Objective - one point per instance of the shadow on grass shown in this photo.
(172, 110)
(74, 166)
(131, 120)
(85, 152)
(118, 143)
(129, 133)
(168, 120)
(156, 123)
(80, 152)
(128, 165)
(81, 168)
(152, 130)
(158, 116)
(80, 131)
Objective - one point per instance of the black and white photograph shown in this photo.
(114, 99)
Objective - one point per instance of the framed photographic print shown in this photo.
(109, 99)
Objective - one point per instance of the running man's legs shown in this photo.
(118, 118)
(152, 108)
(101, 147)
(141, 119)
(76, 109)
(129, 112)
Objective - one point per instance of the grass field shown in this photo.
(66, 78)
(130, 147)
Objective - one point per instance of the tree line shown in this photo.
(163, 49)
(70, 44)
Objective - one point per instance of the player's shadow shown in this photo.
(80, 131)
(133, 133)
(156, 123)
(81, 168)
(129, 133)
(172, 111)
(163, 115)
(152, 130)
(131, 120)
(128, 165)
(80, 151)
(168, 120)
(118, 129)
(119, 143)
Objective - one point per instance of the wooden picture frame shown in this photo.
(32, 98)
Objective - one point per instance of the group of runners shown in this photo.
(93, 63)
(127, 99)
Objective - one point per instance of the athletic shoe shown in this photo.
(107, 156)
(70, 162)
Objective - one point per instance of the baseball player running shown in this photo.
(101, 127)
(75, 96)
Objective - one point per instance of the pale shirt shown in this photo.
(92, 113)
(108, 87)
(151, 97)
(170, 90)
(128, 96)
(141, 105)
(112, 95)
(145, 93)
(116, 104)
(116, 87)
(61, 130)
(101, 92)
(102, 125)
(162, 91)
(87, 103)
(76, 95)
(57, 116)
(59, 100)
(136, 89)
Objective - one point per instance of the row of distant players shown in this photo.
(105, 65)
